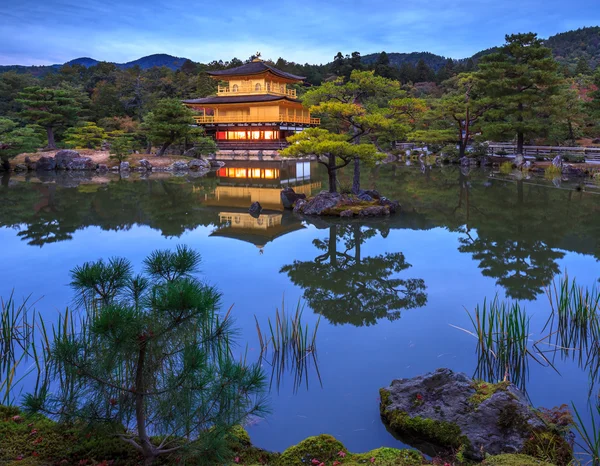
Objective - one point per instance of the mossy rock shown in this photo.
(485, 390)
(324, 448)
(386, 456)
(514, 460)
(445, 434)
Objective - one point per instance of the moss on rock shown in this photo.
(485, 390)
(445, 434)
(324, 448)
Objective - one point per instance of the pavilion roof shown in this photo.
(255, 67)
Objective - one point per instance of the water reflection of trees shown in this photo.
(346, 287)
(516, 229)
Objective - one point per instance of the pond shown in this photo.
(390, 293)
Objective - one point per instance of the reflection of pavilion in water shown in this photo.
(242, 183)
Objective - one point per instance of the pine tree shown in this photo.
(15, 140)
(168, 122)
(87, 136)
(151, 362)
(49, 108)
(583, 67)
(520, 80)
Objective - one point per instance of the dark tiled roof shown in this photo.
(238, 99)
(255, 67)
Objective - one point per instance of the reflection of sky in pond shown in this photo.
(132, 218)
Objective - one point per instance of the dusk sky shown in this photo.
(36, 32)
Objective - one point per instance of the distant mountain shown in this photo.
(398, 59)
(569, 47)
(159, 59)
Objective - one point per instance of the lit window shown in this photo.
(256, 173)
(270, 174)
(257, 87)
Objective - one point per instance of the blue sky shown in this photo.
(35, 32)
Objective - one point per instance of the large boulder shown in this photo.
(321, 202)
(452, 411)
(393, 206)
(145, 164)
(45, 164)
(198, 164)
(289, 198)
(300, 205)
(255, 209)
(124, 166)
(64, 157)
(180, 165)
(81, 163)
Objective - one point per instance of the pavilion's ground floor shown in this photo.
(251, 136)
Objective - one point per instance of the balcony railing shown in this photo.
(201, 119)
(243, 90)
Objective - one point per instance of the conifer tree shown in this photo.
(520, 80)
(49, 108)
(151, 362)
(168, 122)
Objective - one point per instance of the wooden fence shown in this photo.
(590, 153)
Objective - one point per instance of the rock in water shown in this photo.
(64, 157)
(321, 202)
(199, 164)
(255, 209)
(289, 198)
(180, 165)
(81, 163)
(299, 206)
(453, 411)
(45, 164)
(374, 211)
(145, 164)
(393, 206)
(124, 166)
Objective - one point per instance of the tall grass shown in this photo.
(503, 344)
(288, 346)
(589, 438)
(574, 324)
(23, 339)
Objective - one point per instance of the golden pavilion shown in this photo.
(254, 108)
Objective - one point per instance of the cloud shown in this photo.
(55, 31)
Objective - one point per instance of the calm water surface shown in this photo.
(387, 291)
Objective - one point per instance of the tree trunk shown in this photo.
(51, 141)
(356, 178)
(520, 135)
(571, 132)
(148, 449)
(520, 142)
(163, 148)
(331, 171)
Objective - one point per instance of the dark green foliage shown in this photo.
(153, 354)
(50, 108)
(15, 139)
(169, 122)
(519, 81)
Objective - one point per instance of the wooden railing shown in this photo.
(590, 153)
(243, 90)
(256, 119)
